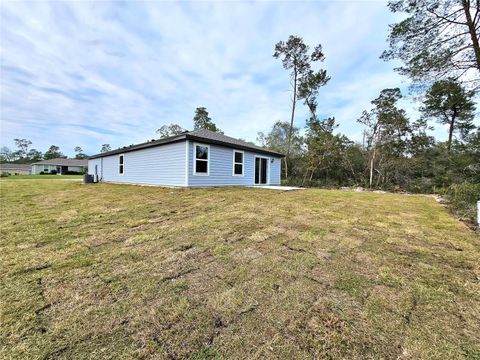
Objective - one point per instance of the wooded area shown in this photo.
(438, 45)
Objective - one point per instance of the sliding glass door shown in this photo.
(261, 171)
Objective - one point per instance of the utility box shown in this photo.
(87, 179)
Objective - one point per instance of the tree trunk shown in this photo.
(450, 130)
(305, 176)
(372, 160)
(379, 178)
(450, 135)
(286, 166)
(294, 102)
(472, 31)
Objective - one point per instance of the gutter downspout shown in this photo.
(187, 149)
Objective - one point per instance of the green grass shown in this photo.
(113, 271)
(44, 177)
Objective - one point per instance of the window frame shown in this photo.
(121, 156)
(237, 163)
(195, 173)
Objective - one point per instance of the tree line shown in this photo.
(395, 152)
(438, 46)
(24, 154)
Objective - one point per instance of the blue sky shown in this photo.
(87, 73)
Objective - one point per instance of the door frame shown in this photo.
(255, 169)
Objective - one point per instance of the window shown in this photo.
(201, 159)
(237, 163)
(120, 164)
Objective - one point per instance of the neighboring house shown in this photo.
(194, 158)
(59, 166)
(15, 169)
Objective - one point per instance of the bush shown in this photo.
(463, 200)
(53, 172)
(4, 174)
(318, 183)
(421, 185)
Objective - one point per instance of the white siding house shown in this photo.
(59, 166)
(192, 159)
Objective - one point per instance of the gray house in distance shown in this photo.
(192, 159)
(59, 166)
(15, 169)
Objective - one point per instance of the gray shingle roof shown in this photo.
(63, 162)
(204, 134)
(24, 167)
(201, 135)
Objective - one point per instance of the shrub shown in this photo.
(463, 200)
(53, 172)
(4, 174)
(421, 185)
(318, 183)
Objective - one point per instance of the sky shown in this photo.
(87, 73)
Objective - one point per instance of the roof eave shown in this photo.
(57, 164)
(168, 140)
(183, 137)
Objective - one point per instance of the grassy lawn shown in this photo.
(112, 271)
(44, 177)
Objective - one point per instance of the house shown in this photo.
(60, 166)
(15, 169)
(191, 159)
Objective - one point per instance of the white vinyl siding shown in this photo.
(158, 165)
(172, 165)
(220, 168)
(274, 170)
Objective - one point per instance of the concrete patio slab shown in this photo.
(278, 187)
